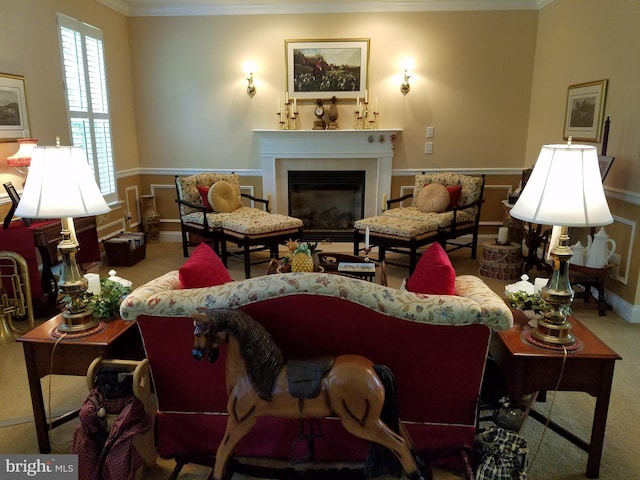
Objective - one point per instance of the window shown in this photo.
(87, 98)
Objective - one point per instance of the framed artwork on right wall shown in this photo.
(585, 111)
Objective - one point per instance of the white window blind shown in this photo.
(87, 98)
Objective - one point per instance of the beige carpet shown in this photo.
(557, 459)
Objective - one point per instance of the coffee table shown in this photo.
(329, 262)
(529, 369)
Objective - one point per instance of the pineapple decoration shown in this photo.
(302, 257)
(301, 260)
(313, 247)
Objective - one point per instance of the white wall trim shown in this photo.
(628, 311)
(626, 196)
(623, 195)
(134, 8)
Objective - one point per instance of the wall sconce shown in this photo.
(405, 87)
(251, 88)
(407, 65)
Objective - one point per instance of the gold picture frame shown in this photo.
(327, 68)
(585, 111)
(14, 118)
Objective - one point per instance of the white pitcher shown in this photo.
(578, 254)
(600, 250)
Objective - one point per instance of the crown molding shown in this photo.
(119, 6)
(158, 8)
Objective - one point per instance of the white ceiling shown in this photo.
(266, 7)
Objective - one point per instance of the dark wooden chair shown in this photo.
(406, 229)
(252, 229)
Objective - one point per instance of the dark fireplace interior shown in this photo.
(328, 202)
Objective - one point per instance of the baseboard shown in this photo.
(628, 311)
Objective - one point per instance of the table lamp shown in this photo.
(22, 158)
(565, 189)
(60, 185)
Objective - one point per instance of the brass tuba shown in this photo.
(16, 307)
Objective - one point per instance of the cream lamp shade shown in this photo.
(565, 188)
(60, 184)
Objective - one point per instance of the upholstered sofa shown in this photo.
(211, 209)
(436, 346)
(407, 228)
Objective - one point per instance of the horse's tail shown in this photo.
(381, 461)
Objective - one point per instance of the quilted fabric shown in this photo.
(475, 302)
(223, 197)
(471, 186)
(410, 222)
(251, 221)
(434, 273)
(188, 191)
(398, 226)
(432, 198)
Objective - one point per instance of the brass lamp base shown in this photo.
(554, 330)
(78, 321)
(77, 316)
(554, 333)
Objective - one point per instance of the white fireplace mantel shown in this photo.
(369, 150)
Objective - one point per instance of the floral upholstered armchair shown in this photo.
(444, 207)
(211, 208)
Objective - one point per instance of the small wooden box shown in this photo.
(125, 250)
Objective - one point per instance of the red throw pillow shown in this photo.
(434, 273)
(203, 269)
(454, 196)
(204, 196)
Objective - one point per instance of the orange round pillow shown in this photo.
(433, 198)
(223, 197)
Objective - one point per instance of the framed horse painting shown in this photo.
(327, 68)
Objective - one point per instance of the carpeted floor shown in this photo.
(556, 459)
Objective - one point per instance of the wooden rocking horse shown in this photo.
(259, 383)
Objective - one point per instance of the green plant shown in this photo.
(106, 304)
(522, 300)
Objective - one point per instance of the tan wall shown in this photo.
(602, 42)
(493, 84)
(472, 82)
(29, 47)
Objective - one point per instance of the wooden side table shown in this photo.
(529, 369)
(591, 277)
(118, 339)
(503, 262)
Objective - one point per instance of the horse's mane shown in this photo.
(262, 357)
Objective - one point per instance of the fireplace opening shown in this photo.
(328, 202)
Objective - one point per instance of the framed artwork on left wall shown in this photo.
(14, 118)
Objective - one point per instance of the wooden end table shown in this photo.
(72, 356)
(529, 369)
(592, 277)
